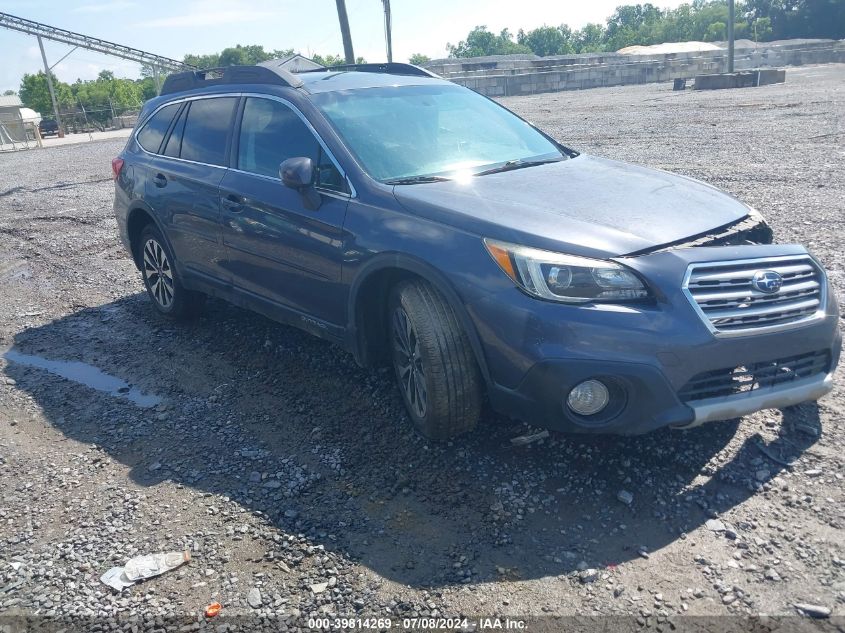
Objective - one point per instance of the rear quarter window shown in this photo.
(173, 146)
(155, 128)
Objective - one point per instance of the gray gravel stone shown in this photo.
(813, 610)
(253, 598)
(589, 576)
(715, 525)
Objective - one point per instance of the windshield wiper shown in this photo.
(413, 180)
(516, 164)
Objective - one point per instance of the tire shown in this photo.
(164, 288)
(433, 361)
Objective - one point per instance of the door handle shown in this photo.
(160, 180)
(232, 203)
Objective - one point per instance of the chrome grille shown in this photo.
(726, 299)
(739, 380)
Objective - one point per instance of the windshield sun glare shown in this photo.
(431, 130)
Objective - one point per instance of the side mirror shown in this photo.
(298, 173)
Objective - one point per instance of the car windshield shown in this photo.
(402, 133)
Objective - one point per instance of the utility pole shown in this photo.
(344, 31)
(731, 12)
(388, 27)
(50, 87)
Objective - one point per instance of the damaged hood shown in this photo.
(587, 205)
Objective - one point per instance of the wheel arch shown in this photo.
(368, 298)
(138, 217)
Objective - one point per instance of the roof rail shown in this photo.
(391, 68)
(179, 82)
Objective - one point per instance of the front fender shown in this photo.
(400, 262)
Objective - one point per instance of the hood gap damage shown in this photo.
(752, 229)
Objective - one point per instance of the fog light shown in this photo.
(588, 397)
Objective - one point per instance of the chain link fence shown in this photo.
(19, 132)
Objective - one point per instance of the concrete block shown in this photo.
(528, 74)
(766, 76)
(741, 79)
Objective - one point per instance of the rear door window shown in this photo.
(206, 130)
(153, 132)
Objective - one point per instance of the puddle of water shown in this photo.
(87, 375)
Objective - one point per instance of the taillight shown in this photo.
(116, 166)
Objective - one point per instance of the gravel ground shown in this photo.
(295, 480)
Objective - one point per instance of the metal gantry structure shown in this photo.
(157, 63)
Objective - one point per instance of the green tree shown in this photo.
(334, 60)
(634, 24)
(679, 24)
(708, 15)
(106, 95)
(760, 29)
(147, 87)
(547, 40)
(238, 55)
(802, 18)
(281, 53)
(481, 42)
(211, 60)
(419, 59)
(35, 94)
(9, 93)
(589, 39)
(244, 55)
(328, 60)
(716, 31)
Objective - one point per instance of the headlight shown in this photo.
(566, 278)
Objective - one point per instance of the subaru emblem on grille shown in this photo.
(767, 281)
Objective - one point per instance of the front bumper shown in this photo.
(537, 351)
(728, 407)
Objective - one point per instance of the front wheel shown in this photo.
(434, 363)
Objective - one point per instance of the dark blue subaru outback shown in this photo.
(413, 221)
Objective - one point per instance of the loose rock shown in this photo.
(253, 598)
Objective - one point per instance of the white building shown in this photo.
(295, 63)
(12, 115)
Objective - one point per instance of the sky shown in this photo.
(175, 27)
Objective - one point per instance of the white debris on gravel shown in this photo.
(625, 497)
(589, 575)
(813, 610)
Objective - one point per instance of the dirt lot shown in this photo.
(295, 480)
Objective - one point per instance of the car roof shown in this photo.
(314, 82)
(270, 79)
(273, 73)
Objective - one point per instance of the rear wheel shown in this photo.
(169, 297)
(433, 361)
